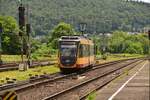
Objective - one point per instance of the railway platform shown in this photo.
(133, 85)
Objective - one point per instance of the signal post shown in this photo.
(24, 34)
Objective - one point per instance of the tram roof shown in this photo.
(74, 37)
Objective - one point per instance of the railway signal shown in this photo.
(21, 10)
(21, 18)
(25, 30)
(22, 26)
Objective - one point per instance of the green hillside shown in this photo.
(100, 15)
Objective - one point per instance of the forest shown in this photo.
(117, 42)
(52, 19)
(100, 16)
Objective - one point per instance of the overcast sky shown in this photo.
(146, 1)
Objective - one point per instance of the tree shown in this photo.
(10, 38)
(117, 42)
(121, 42)
(100, 15)
(60, 30)
(134, 48)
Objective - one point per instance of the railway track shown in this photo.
(15, 66)
(52, 82)
(35, 80)
(84, 88)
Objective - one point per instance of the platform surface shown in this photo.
(133, 86)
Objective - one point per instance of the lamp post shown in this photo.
(83, 27)
(1, 30)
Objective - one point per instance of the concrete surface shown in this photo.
(133, 86)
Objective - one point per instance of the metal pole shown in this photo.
(22, 49)
(149, 49)
(1, 30)
(149, 43)
(82, 32)
(28, 31)
(103, 49)
(104, 46)
(1, 7)
(28, 44)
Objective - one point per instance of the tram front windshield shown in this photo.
(68, 50)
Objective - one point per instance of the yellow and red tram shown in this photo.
(75, 52)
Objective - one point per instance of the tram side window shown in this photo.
(84, 50)
(92, 50)
(81, 50)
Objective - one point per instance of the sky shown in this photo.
(146, 1)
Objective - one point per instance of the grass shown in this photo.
(91, 96)
(24, 75)
(114, 57)
(47, 69)
(111, 57)
(16, 58)
(127, 55)
(10, 58)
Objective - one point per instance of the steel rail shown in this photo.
(83, 97)
(51, 97)
(45, 79)
(15, 66)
